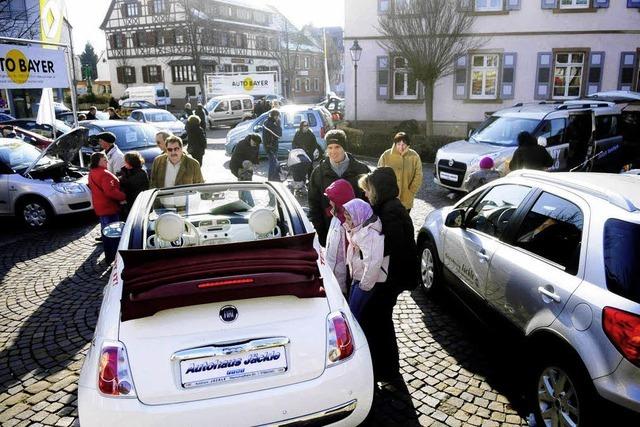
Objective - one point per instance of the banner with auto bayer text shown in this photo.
(24, 67)
(245, 83)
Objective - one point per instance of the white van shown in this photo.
(155, 95)
(228, 109)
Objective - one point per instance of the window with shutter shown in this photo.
(543, 76)
(596, 65)
(507, 86)
(382, 80)
(633, 3)
(549, 4)
(145, 74)
(460, 78)
(628, 64)
(120, 74)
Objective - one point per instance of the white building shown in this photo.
(536, 50)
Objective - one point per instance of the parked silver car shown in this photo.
(35, 185)
(557, 256)
(161, 119)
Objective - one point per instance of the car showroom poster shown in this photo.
(27, 67)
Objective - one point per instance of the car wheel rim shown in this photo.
(35, 215)
(426, 269)
(558, 399)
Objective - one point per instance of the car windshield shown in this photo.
(17, 154)
(621, 244)
(160, 117)
(133, 136)
(215, 214)
(503, 130)
(211, 105)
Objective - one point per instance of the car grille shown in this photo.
(458, 169)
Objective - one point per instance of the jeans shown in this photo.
(110, 245)
(274, 167)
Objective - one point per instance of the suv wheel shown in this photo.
(564, 395)
(430, 268)
(35, 212)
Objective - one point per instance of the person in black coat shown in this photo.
(271, 133)
(196, 137)
(133, 180)
(305, 139)
(530, 155)
(202, 114)
(338, 164)
(112, 114)
(246, 150)
(381, 187)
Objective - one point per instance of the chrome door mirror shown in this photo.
(455, 219)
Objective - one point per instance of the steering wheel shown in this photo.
(191, 237)
(504, 218)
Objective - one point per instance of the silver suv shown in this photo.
(578, 134)
(557, 256)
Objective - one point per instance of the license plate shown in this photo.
(448, 176)
(220, 369)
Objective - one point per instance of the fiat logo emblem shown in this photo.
(451, 162)
(228, 313)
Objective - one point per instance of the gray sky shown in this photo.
(86, 16)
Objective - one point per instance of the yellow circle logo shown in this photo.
(247, 84)
(17, 66)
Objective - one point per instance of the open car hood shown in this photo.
(65, 147)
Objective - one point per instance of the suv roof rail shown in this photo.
(522, 104)
(577, 105)
(612, 197)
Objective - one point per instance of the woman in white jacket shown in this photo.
(338, 193)
(365, 253)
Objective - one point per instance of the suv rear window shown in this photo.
(621, 247)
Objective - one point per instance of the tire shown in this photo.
(430, 267)
(560, 390)
(35, 212)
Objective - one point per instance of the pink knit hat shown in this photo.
(486, 163)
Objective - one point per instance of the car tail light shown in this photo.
(114, 374)
(340, 343)
(623, 329)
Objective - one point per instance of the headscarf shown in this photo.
(339, 192)
(359, 210)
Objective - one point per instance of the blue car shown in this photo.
(319, 120)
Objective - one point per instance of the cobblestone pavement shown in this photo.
(456, 372)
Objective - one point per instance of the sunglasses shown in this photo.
(176, 149)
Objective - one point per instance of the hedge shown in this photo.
(373, 144)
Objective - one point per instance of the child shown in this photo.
(338, 193)
(299, 165)
(486, 174)
(365, 253)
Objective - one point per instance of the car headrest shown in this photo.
(169, 226)
(262, 221)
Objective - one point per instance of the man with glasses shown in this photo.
(174, 167)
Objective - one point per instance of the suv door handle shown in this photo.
(482, 255)
(549, 293)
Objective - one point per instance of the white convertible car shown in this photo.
(219, 311)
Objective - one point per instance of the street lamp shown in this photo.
(355, 51)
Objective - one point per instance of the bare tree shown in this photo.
(286, 53)
(19, 23)
(430, 35)
(195, 23)
(335, 61)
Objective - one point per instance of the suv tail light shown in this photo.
(114, 374)
(340, 343)
(623, 329)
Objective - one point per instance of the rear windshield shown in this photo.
(293, 119)
(621, 258)
(160, 117)
(503, 130)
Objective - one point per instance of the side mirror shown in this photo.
(113, 230)
(455, 219)
(471, 132)
(257, 128)
(542, 141)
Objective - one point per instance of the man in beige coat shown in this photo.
(174, 167)
(407, 166)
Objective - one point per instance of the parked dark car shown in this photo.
(67, 116)
(42, 129)
(32, 138)
(130, 136)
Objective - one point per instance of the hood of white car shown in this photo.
(467, 152)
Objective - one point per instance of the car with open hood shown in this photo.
(200, 326)
(36, 185)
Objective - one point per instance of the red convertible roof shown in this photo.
(161, 279)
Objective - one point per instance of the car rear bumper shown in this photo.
(341, 396)
(622, 387)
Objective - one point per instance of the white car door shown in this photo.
(535, 271)
(468, 250)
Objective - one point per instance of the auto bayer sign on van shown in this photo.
(247, 83)
(24, 67)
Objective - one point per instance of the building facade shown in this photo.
(150, 42)
(534, 50)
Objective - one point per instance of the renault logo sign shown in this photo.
(228, 313)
